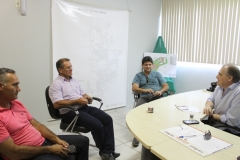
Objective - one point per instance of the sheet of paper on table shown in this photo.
(194, 140)
(188, 109)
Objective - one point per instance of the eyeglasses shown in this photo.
(207, 135)
(147, 79)
(68, 68)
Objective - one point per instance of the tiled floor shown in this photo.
(123, 137)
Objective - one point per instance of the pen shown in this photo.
(187, 136)
(182, 107)
(180, 126)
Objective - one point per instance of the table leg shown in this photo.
(148, 155)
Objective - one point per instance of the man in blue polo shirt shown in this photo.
(149, 84)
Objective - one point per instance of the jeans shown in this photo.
(99, 123)
(80, 142)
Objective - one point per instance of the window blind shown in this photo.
(202, 31)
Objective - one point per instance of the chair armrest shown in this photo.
(99, 100)
(136, 95)
(217, 124)
(227, 126)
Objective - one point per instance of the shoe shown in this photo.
(135, 142)
(115, 155)
(107, 156)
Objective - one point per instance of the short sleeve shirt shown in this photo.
(153, 81)
(15, 124)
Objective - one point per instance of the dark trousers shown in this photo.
(80, 142)
(143, 100)
(99, 123)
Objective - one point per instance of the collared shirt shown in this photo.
(15, 123)
(62, 89)
(227, 104)
(153, 81)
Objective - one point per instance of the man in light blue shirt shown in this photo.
(224, 104)
(149, 84)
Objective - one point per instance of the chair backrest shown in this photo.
(54, 113)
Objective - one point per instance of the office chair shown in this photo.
(228, 128)
(65, 127)
(213, 86)
(222, 126)
(137, 95)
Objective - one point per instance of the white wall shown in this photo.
(25, 44)
(195, 76)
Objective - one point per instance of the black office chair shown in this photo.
(222, 126)
(213, 86)
(137, 95)
(66, 127)
(229, 129)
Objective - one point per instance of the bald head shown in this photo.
(232, 70)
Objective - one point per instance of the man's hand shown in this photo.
(148, 91)
(59, 150)
(82, 101)
(62, 142)
(89, 98)
(157, 93)
(208, 111)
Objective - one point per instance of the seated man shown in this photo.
(22, 137)
(225, 100)
(150, 84)
(66, 91)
